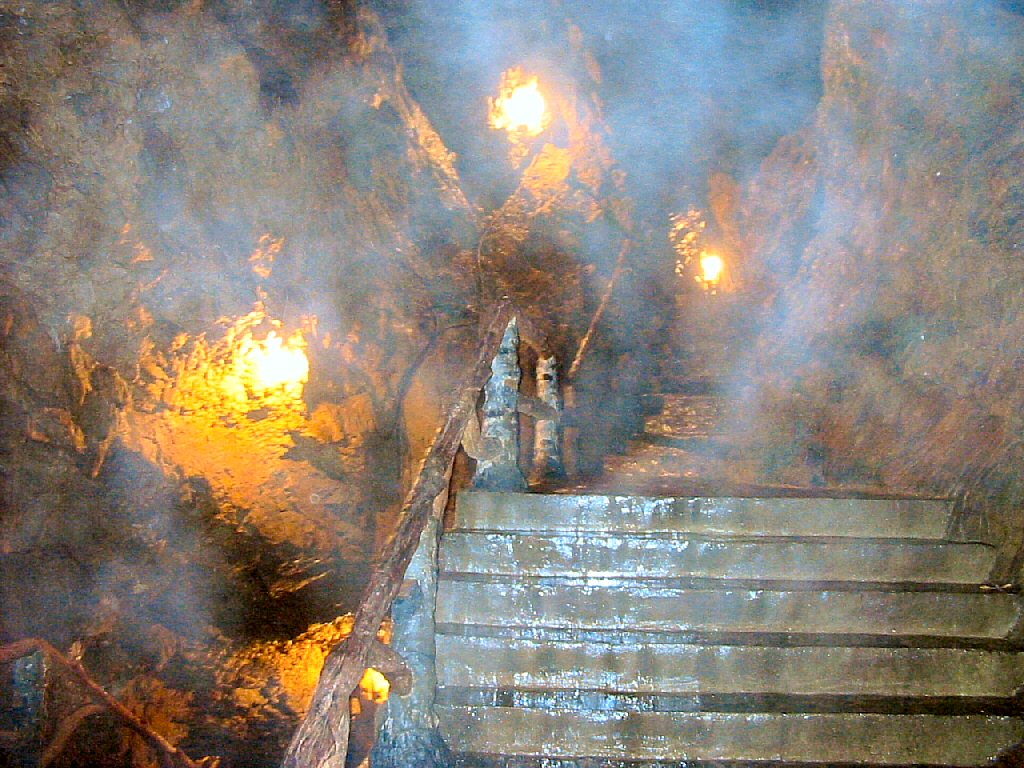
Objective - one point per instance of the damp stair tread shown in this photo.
(644, 607)
(736, 516)
(685, 416)
(620, 701)
(854, 738)
(604, 630)
(794, 737)
(758, 638)
(673, 555)
(680, 668)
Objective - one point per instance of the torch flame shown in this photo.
(520, 107)
(275, 362)
(711, 267)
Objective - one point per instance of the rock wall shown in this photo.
(183, 180)
(891, 350)
(179, 181)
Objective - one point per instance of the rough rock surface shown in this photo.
(180, 180)
(891, 353)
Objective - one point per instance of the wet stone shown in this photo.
(885, 518)
(668, 556)
(868, 739)
(603, 630)
(653, 668)
(673, 609)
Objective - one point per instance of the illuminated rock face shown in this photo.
(202, 176)
(891, 229)
(210, 331)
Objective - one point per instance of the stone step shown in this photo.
(832, 517)
(611, 606)
(683, 462)
(666, 668)
(619, 701)
(680, 556)
(855, 739)
(760, 639)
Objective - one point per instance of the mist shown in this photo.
(686, 88)
(176, 176)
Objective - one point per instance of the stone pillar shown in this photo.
(28, 706)
(497, 467)
(547, 447)
(409, 734)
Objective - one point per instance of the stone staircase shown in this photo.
(598, 629)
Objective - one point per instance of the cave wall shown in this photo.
(181, 177)
(179, 180)
(888, 237)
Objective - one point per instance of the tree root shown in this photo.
(66, 729)
(168, 754)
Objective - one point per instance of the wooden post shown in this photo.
(497, 467)
(547, 447)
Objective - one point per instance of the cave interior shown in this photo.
(800, 215)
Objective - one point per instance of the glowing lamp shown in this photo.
(523, 109)
(711, 267)
(520, 107)
(275, 362)
(374, 686)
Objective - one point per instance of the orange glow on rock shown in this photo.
(274, 363)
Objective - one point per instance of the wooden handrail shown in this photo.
(321, 740)
(620, 268)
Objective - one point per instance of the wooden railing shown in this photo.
(321, 740)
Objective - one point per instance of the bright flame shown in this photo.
(374, 686)
(711, 266)
(524, 108)
(520, 107)
(275, 362)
